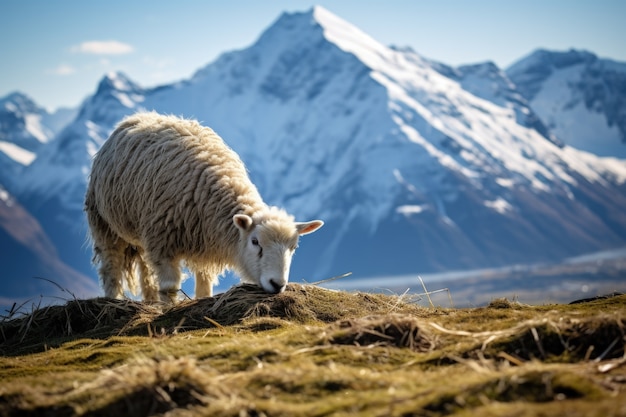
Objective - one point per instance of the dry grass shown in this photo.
(311, 351)
(101, 317)
(388, 330)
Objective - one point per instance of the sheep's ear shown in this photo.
(243, 222)
(309, 227)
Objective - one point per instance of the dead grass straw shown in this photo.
(101, 318)
(151, 386)
(566, 340)
(388, 330)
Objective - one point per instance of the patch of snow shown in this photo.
(118, 82)
(408, 210)
(500, 205)
(18, 154)
(505, 182)
(6, 197)
(407, 185)
(92, 149)
(614, 168)
(34, 127)
(124, 99)
(94, 134)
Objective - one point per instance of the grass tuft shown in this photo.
(389, 330)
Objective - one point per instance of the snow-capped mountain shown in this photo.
(21, 122)
(582, 98)
(68, 157)
(487, 81)
(414, 166)
(24, 130)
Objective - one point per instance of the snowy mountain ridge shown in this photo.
(578, 95)
(393, 70)
(25, 129)
(414, 165)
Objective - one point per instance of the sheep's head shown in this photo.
(267, 243)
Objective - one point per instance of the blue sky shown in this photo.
(56, 52)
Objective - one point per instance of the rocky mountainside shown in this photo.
(415, 166)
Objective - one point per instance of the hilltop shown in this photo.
(314, 351)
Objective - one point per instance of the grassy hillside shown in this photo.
(312, 351)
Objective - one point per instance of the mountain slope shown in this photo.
(487, 81)
(33, 259)
(581, 97)
(414, 167)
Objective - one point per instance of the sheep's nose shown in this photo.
(277, 287)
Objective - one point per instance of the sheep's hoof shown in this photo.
(168, 296)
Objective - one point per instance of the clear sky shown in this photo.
(57, 51)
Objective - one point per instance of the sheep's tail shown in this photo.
(131, 265)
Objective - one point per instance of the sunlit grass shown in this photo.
(312, 351)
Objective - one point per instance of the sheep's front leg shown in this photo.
(168, 275)
(204, 284)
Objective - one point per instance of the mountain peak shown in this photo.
(549, 60)
(318, 9)
(484, 68)
(21, 123)
(349, 37)
(115, 91)
(19, 102)
(117, 81)
(334, 29)
(325, 17)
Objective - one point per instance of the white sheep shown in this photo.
(165, 190)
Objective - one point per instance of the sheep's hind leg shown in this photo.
(108, 254)
(111, 269)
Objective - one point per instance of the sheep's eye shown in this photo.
(255, 242)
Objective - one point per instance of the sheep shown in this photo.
(165, 191)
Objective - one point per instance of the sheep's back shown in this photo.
(158, 175)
